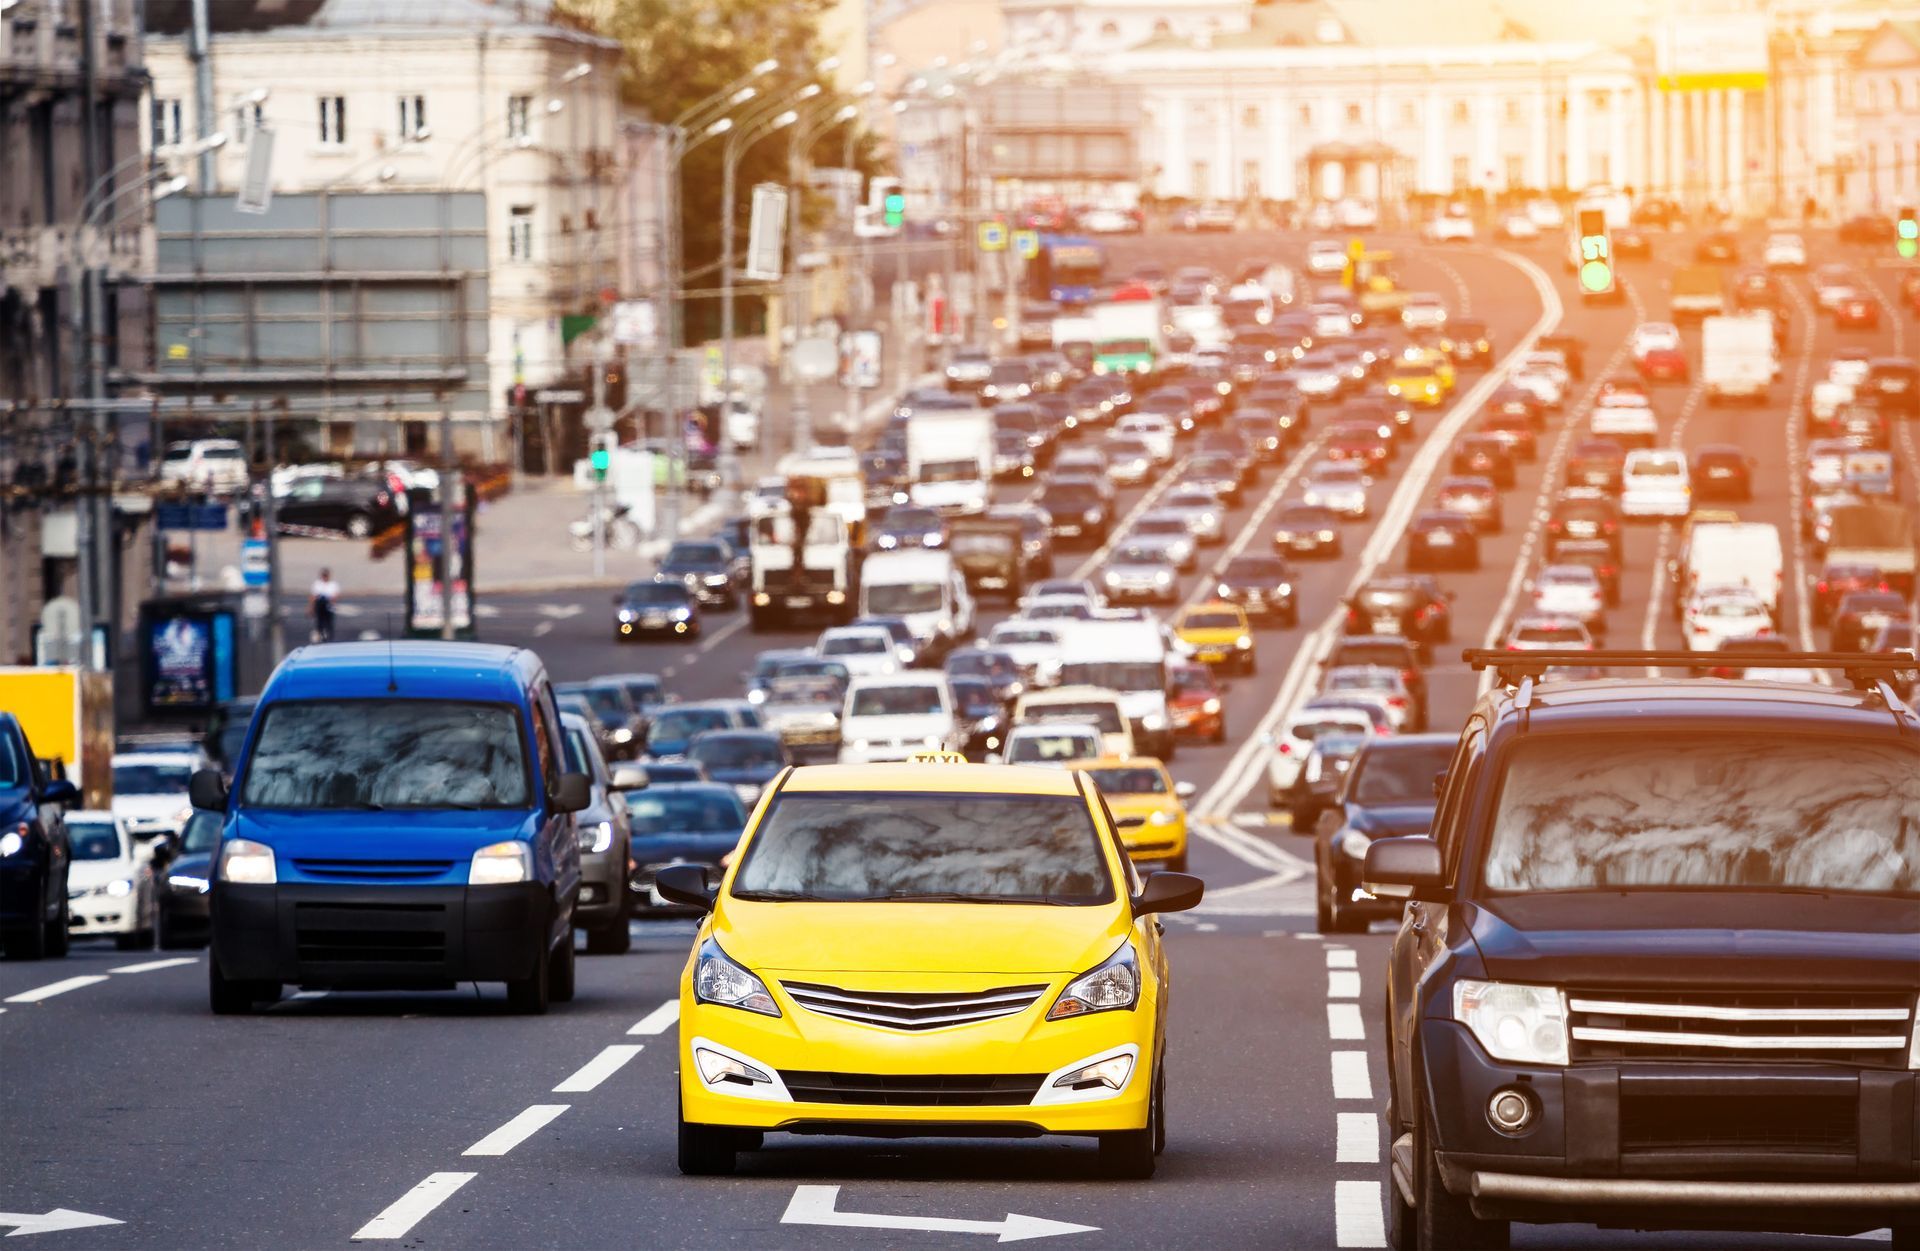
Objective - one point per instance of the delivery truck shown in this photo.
(1738, 359)
(67, 714)
(950, 459)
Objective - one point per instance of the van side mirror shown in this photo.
(1404, 868)
(207, 790)
(685, 884)
(59, 791)
(1167, 892)
(571, 792)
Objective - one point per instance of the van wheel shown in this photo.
(27, 942)
(229, 996)
(1128, 1155)
(560, 970)
(530, 995)
(705, 1150)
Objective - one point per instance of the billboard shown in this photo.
(425, 537)
(1712, 52)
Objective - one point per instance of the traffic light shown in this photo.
(600, 456)
(1596, 252)
(895, 210)
(1906, 239)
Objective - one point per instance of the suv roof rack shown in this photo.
(1866, 671)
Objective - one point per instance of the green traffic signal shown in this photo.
(894, 208)
(599, 459)
(1596, 276)
(1907, 235)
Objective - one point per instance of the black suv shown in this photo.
(359, 507)
(1659, 962)
(33, 849)
(1076, 511)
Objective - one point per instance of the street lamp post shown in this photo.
(800, 141)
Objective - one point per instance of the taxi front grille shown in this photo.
(1871, 1028)
(915, 1090)
(913, 1010)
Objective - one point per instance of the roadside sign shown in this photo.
(860, 359)
(256, 186)
(767, 232)
(253, 562)
(1026, 243)
(993, 237)
(560, 397)
(191, 516)
(635, 324)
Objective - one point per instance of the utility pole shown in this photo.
(449, 488)
(599, 422)
(200, 51)
(271, 511)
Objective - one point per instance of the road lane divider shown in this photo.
(1357, 1138)
(61, 987)
(1342, 958)
(404, 1213)
(1351, 1076)
(589, 1075)
(1343, 984)
(658, 1021)
(1344, 1023)
(518, 1130)
(1663, 550)
(154, 966)
(1357, 1219)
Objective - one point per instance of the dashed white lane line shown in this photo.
(1343, 1022)
(518, 1130)
(1359, 1139)
(1343, 984)
(1342, 958)
(151, 966)
(599, 1069)
(60, 987)
(658, 1021)
(1357, 1219)
(405, 1212)
(1351, 1078)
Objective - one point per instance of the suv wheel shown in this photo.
(1442, 1220)
(614, 938)
(531, 994)
(1402, 1231)
(59, 930)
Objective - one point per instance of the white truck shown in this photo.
(950, 459)
(927, 590)
(1205, 324)
(1729, 554)
(1128, 336)
(1073, 328)
(1737, 358)
(802, 553)
(838, 471)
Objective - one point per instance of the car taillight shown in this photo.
(1353, 615)
(1286, 749)
(1554, 525)
(1394, 701)
(1407, 676)
(1822, 587)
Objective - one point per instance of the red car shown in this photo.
(1854, 311)
(1196, 702)
(1363, 442)
(1839, 581)
(1663, 365)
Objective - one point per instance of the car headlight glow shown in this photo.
(1112, 987)
(1514, 1022)
(596, 837)
(11, 843)
(1244, 642)
(245, 861)
(1112, 578)
(717, 979)
(1163, 817)
(188, 881)
(120, 888)
(1110, 1074)
(1161, 577)
(682, 613)
(757, 695)
(501, 864)
(626, 614)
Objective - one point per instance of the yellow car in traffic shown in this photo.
(928, 948)
(1149, 807)
(1218, 634)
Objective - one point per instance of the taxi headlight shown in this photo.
(501, 864)
(1114, 986)
(1514, 1022)
(717, 979)
(1244, 642)
(120, 888)
(626, 614)
(1163, 817)
(243, 860)
(1110, 1074)
(596, 837)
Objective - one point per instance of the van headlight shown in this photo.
(245, 861)
(501, 864)
(1114, 986)
(1514, 1022)
(717, 979)
(1153, 723)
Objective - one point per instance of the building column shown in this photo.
(1713, 146)
(1576, 137)
(1176, 171)
(1620, 166)
(1433, 155)
(1678, 138)
(1539, 175)
(1280, 169)
(1656, 135)
(1736, 107)
(1486, 147)
(1823, 115)
(1226, 177)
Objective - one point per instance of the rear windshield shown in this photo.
(151, 779)
(388, 753)
(915, 700)
(729, 751)
(968, 848)
(685, 723)
(1740, 812)
(1399, 775)
(695, 810)
(1104, 717)
(1130, 780)
(1210, 621)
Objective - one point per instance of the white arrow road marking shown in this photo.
(405, 1212)
(56, 988)
(52, 1222)
(814, 1205)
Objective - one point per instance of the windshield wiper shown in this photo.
(781, 896)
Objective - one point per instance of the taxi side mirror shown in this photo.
(685, 884)
(1167, 892)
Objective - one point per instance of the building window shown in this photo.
(333, 119)
(413, 117)
(520, 232)
(1202, 180)
(1516, 171)
(1355, 115)
(1306, 115)
(1462, 173)
(1250, 117)
(166, 123)
(1250, 180)
(520, 118)
(1462, 112)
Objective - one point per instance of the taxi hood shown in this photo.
(1673, 939)
(919, 938)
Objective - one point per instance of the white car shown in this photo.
(1654, 483)
(890, 718)
(1062, 588)
(1423, 312)
(1129, 461)
(1848, 371)
(1784, 251)
(1205, 516)
(1571, 591)
(1545, 214)
(1293, 743)
(215, 465)
(1448, 228)
(1626, 418)
(1155, 431)
(866, 651)
(1034, 646)
(1519, 227)
(1169, 532)
(150, 790)
(1827, 463)
(1341, 488)
(1654, 336)
(1377, 683)
(1053, 744)
(1829, 283)
(1545, 375)
(1318, 376)
(1540, 632)
(1330, 321)
(1105, 221)
(1326, 256)
(109, 881)
(1717, 614)
(1356, 214)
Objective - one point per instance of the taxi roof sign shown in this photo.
(937, 757)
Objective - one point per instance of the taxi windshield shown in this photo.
(1130, 780)
(1210, 621)
(871, 847)
(1752, 811)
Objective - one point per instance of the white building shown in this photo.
(505, 98)
(1885, 86)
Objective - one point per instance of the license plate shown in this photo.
(799, 601)
(1893, 384)
(1440, 538)
(993, 583)
(1212, 655)
(1719, 473)
(1874, 620)
(1386, 625)
(654, 619)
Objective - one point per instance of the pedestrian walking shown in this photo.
(325, 595)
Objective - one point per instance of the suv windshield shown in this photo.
(1115, 675)
(388, 753)
(870, 847)
(1740, 812)
(914, 700)
(894, 598)
(684, 723)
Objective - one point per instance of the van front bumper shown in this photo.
(394, 937)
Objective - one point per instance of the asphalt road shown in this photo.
(122, 1097)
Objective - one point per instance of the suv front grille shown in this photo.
(987, 1090)
(914, 1011)
(1787, 1124)
(1869, 1028)
(398, 933)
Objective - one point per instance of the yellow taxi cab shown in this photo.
(1218, 634)
(932, 948)
(1148, 805)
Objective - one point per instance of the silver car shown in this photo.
(804, 710)
(605, 905)
(1141, 571)
(1201, 509)
(1339, 487)
(1170, 531)
(1129, 461)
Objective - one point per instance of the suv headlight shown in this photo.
(596, 837)
(245, 861)
(501, 864)
(1114, 986)
(12, 841)
(717, 979)
(1519, 1023)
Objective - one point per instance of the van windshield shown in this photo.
(1115, 675)
(1737, 812)
(893, 599)
(388, 753)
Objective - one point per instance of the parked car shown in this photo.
(358, 507)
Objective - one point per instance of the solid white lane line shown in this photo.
(599, 1069)
(1805, 314)
(56, 988)
(1342, 958)
(405, 1212)
(1351, 1079)
(658, 1021)
(1343, 984)
(518, 1130)
(151, 965)
(1343, 1022)
(1359, 1139)
(1357, 1218)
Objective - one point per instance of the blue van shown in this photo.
(400, 818)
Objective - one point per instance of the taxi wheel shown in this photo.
(560, 971)
(1160, 1100)
(705, 1150)
(1129, 1154)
